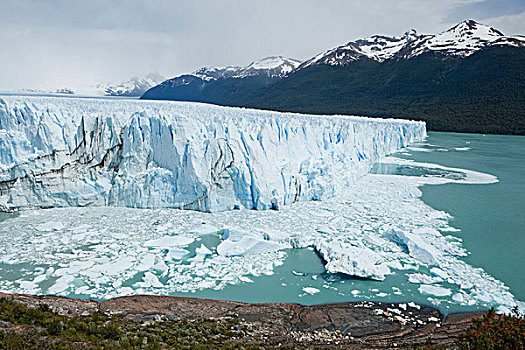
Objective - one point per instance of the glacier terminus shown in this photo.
(62, 152)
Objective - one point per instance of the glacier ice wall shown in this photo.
(57, 152)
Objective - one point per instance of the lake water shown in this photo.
(104, 252)
(491, 217)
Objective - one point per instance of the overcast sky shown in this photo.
(48, 44)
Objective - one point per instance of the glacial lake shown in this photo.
(81, 252)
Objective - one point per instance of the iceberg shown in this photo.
(64, 152)
(353, 260)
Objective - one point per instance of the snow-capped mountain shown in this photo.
(461, 40)
(214, 73)
(223, 83)
(134, 87)
(270, 67)
(376, 47)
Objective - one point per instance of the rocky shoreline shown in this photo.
(353, 325)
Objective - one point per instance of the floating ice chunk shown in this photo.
(205, 230)
(311, 290)
(146, 263)
(149, 280)
(51, 226)
(176, 254)
(61, 284)
(245, 279)
(450, 229)
(80, 228)
(247, 245)
(234, 234)
(417, 246)
(125, 291)
(434, 290)
(39, 270)
(28, 286)
(82, 290)
(169, 241)
(352, 260)
(201, 253)
(436, 271)
(160, 267)
(39, 278)
(203, 250)
(422, 278)
(459, 297)
(114, 267)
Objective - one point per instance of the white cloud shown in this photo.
(60, 43)
(509, 25)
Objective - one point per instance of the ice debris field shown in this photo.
(371, 226)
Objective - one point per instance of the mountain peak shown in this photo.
(461, 40)
(271, 62)
(411, 35)
(471, 28)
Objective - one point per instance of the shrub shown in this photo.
(495, 332)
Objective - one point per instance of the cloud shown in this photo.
(485, 9)
(57, 43)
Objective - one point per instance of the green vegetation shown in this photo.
(483, 93)
(41, 328)
(495, 332)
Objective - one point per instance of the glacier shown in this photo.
(63, 152)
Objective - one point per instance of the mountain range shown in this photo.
(469, 78)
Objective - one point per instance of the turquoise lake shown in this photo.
(491, 218)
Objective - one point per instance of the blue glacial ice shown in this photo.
(60, 152)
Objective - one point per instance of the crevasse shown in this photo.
(57, 152)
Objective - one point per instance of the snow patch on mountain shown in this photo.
(377, 47)
(274, 66)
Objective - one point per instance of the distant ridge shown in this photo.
(469, 78)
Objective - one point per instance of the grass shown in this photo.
(41, 328)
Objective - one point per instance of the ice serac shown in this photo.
(57, 152)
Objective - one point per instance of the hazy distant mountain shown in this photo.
(469, 78)
(134, 87)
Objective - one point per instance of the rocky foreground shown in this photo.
(358, 325)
